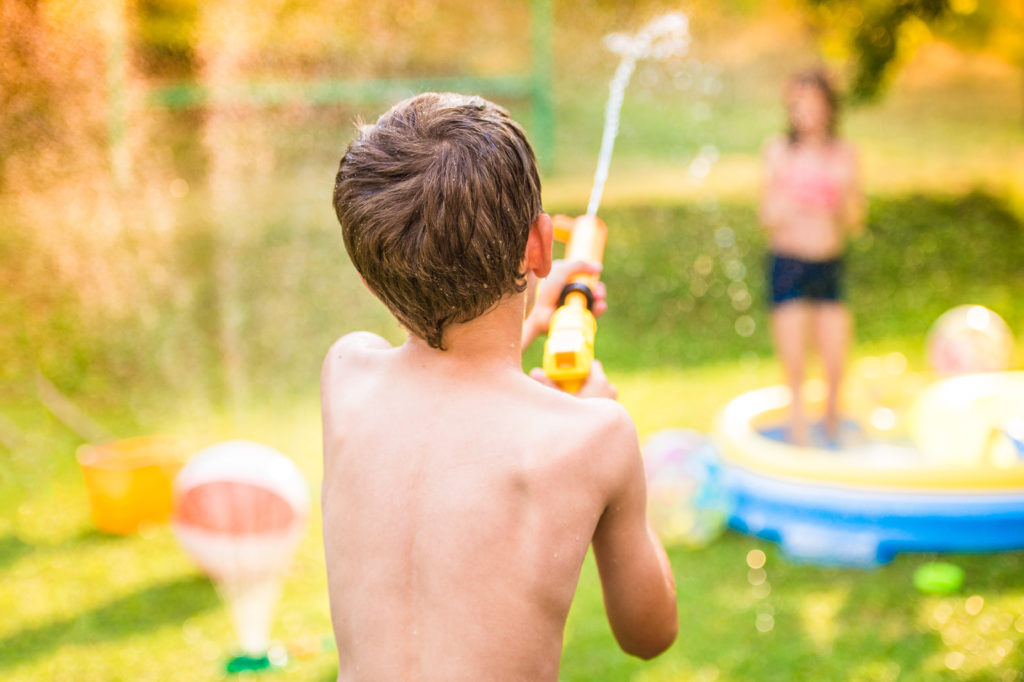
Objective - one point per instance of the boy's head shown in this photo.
(435, 203)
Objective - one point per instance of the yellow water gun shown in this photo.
(569, 349)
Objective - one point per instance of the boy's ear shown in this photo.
(537, 258)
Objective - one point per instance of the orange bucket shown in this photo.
(129, 481)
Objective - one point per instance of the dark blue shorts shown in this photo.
(793, 279)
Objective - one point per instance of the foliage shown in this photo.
(879, 35)
(681, 278)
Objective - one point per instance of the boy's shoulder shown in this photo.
(355, 344)
(351, 351)
(598, 430)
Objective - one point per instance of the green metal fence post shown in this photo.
(540, 83)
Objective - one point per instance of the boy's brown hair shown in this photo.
(435, 203)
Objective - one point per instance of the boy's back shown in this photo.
(460, 495)
(459, 513)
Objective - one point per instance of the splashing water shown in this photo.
(662, 38)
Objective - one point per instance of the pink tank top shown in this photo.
(810, 187)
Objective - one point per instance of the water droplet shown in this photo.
(757, 576)
(712, 85)
(741, 303)
(277, 655)
(704, 264)
(943, 612)
(974, 604)
(870, 367)
(745, 325)
(699, 168)
(757, 559)
(178, 188)
(952, 635)
(895, 363)
(764, 622)
(954, 659)
(883, 418)
(725, 237)
(735, 270)
(749, 361)
(709, 204)
(708, 673)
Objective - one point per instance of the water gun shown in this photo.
(569, 349)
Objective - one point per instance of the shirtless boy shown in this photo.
(460, 495)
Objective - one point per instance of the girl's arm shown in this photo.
(854, 205)
(773, 201)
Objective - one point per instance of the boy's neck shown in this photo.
(492, 339)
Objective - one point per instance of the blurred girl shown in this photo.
(812, 200)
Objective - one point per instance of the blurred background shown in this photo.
(170, 263)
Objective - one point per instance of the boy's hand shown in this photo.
(596, 385)
(550, 288)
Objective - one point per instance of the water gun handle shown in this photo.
(569, 349)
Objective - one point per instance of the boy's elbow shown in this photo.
(655, 637)
(654, 643)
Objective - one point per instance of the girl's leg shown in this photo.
(832, 331)
(789, 329)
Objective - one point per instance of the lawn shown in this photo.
(131, 326)
(85, 606)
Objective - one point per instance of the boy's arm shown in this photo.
(636, 578)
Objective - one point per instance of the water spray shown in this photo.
(569, 350)
(665, 37)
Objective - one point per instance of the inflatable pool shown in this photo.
(953, 481)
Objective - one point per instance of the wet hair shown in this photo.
(435, 203)
(815, 78)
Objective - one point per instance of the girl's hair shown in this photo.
(816, 78)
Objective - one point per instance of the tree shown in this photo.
(878, 34)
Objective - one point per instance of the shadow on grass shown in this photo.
(792, 622)
(12, 548)
(828, 623)
(147, 609)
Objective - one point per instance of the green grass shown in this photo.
(84, 606)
